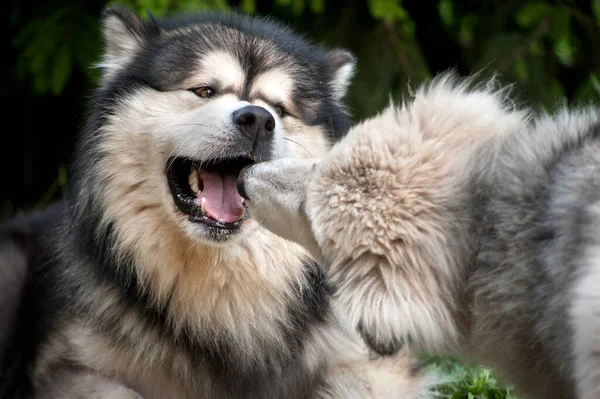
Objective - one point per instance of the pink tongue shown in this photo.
(223, 203)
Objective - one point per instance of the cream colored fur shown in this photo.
(398, 178)
(152, 367)
(380, 208)
(453, 224)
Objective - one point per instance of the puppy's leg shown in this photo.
(354, 372)
(82, 384)
(585, 318)
(389, 377)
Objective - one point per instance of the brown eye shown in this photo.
(204, 92)
(280, 111)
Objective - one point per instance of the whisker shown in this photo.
(193, 124)
(300, 145)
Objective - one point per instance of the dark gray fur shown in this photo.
(537, 227)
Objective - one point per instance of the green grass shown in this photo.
(461, 381)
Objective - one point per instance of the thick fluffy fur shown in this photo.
(459, 224)
(125, 296)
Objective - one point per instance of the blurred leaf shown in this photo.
(190, 5)
(387, 10)
(530, 14)
(87, 46)
(59, 184)
(521, 71)
(589, 90)
(298, 7)
(446, 10)
(557, 91)
(560, 32)
(465, 34)
(249, 6)
(317, 6)
(500, 50)
(596, 10)
(595, 81)
(561, 23)
(408, 28)
(43, 44)
(537, 48)
(61, 70)
(156, 7)
(563, 49)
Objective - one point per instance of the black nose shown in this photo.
(255, 122)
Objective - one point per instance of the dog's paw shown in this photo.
(383, 346)
(381, 320)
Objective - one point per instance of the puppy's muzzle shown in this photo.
(241, 182)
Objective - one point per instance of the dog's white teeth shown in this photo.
(193, 182)
(203, 204)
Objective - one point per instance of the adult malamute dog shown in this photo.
(152, 279)
(459, 224)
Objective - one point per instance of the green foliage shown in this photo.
(466, 382)
(52, 45)
(161, 7)
(58, 186)
(531, 42)
(387, 10)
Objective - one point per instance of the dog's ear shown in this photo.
(342, 65)
(124, 35)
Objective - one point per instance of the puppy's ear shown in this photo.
(342, 65)
(124, 35)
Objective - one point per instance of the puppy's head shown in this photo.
(371, 211)
(386, 210)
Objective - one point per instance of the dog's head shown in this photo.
(187, 102)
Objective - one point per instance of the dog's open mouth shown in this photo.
(206, 191)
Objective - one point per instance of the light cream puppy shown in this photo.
(379, 208)
(449, 224)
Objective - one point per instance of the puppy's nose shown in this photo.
(255, 122)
